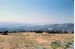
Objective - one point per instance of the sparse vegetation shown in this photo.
(67, 44)
(33, 40)
(5, 33)
(38, 31)
(55, 44)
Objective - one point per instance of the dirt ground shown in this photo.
(31, 40)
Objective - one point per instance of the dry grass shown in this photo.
(33, 40)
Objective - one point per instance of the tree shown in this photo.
(38, 31)
(72, 31)
(0, 32)
(65, 32)
(5, 33)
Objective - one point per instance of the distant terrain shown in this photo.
(16, 27)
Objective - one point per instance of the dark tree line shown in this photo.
(50, 31)
(4, 33)
(54, 32)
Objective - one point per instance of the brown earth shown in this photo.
(33, 40)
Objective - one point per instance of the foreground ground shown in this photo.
(33, 40)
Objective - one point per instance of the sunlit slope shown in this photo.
(33, 40)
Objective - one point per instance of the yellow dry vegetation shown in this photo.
(31, 40)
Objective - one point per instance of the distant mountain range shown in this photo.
(28, 27)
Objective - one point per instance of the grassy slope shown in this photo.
(32, 40)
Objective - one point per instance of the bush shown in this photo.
(67, 45)
(0, 32)
(51, 31)
(5, 33)
(65, 32)
(55, 44)
(38, 31)
(72, 31)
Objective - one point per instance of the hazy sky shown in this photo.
(36, 11)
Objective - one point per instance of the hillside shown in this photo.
(69, 27)
(33, 40)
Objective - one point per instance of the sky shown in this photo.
(36, 11)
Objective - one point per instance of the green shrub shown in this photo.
(67, 45)
(55, 44)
